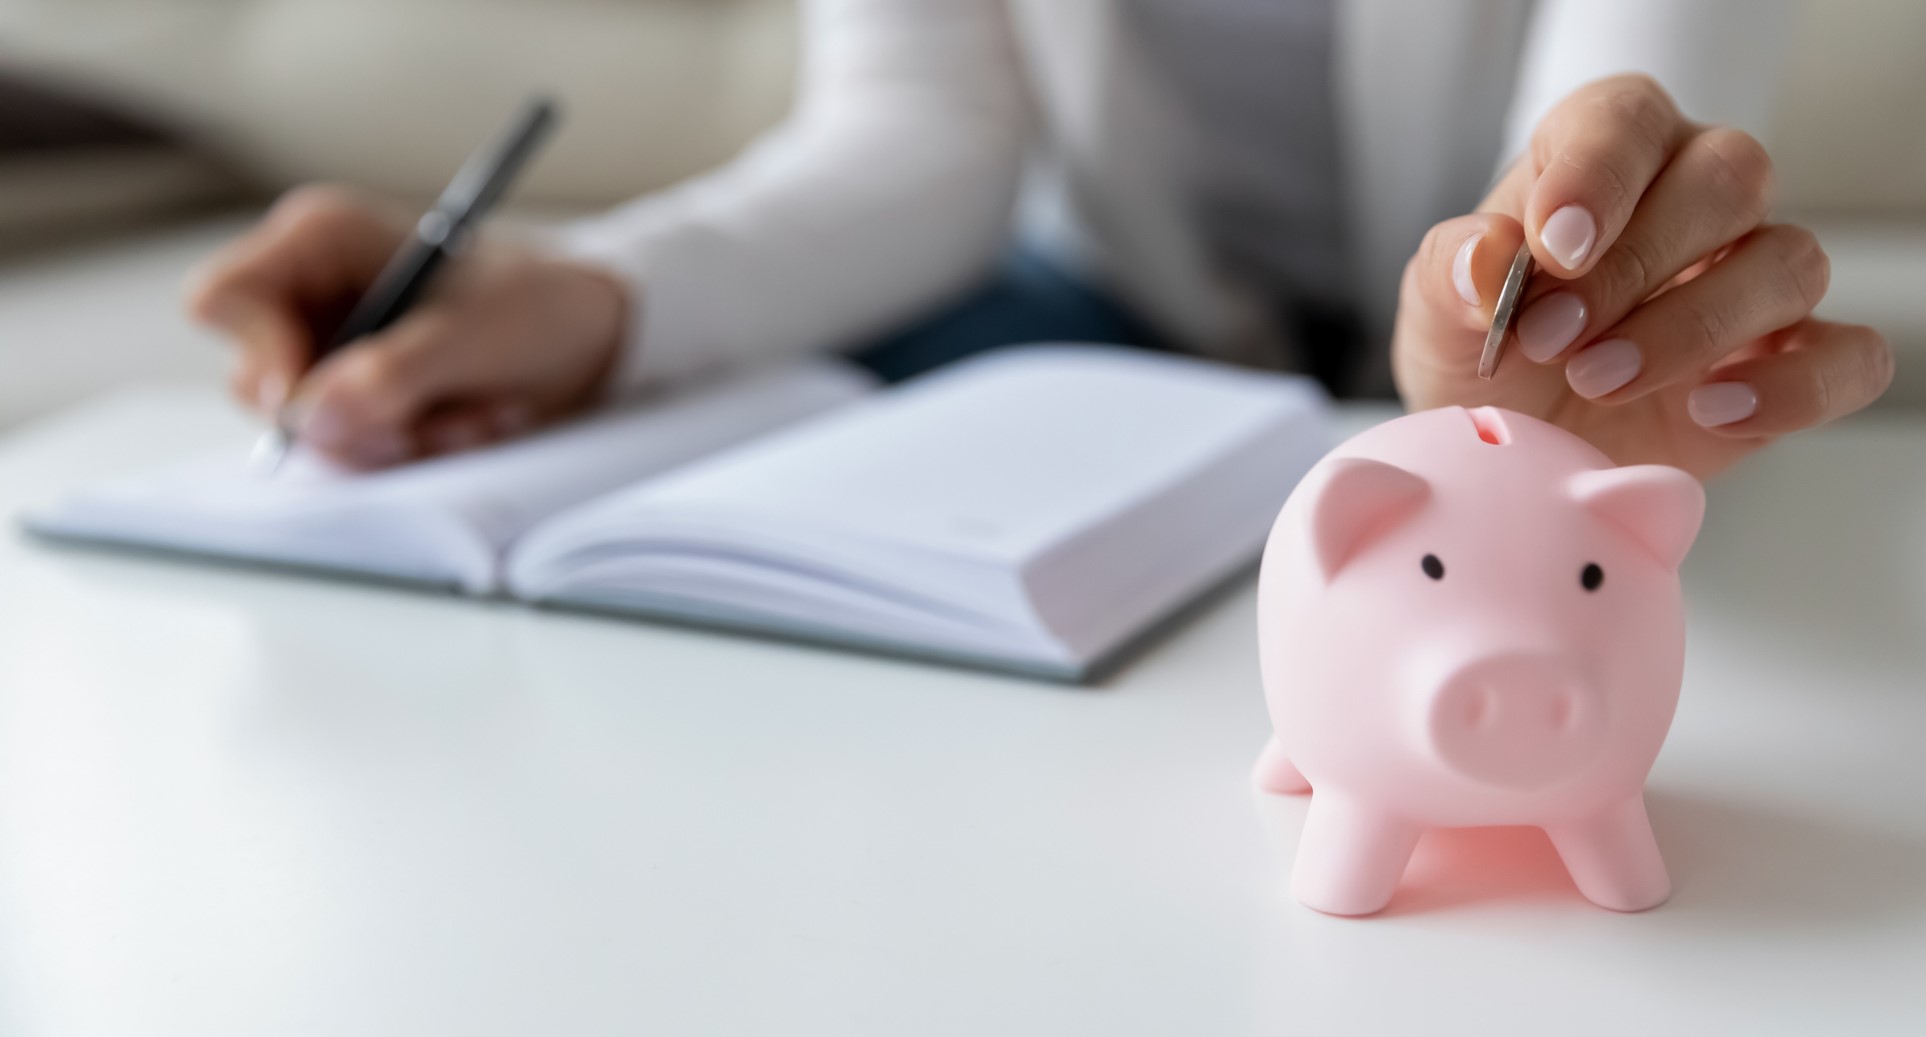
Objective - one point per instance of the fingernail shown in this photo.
(1569, 235)
(1721, 403)
(1550, 324)
(324, 427)
(1602, 367)
(1461, 270)
(272, 392)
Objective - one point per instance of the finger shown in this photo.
(373, 403)
(361, 405)
(1591, 159)
(1714, 192)
(293, 273)
(268, 290)
(316, 243)
(1459, 268)
(468, 425)
(274, 351)
(1820, 371)
(1771, 280)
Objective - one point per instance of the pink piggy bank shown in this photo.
(1471, 617)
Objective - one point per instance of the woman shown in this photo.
(1239, 178)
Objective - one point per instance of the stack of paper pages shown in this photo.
(1036, 509)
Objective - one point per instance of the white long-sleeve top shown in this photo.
(920, 123)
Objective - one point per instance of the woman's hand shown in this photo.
(506, 338)
(1668, 322)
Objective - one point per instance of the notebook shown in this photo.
(1034, 510)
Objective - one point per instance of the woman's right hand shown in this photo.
(1669, 322)
(505, 339)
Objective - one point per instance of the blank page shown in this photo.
(1000, 459)
(950, 499)
(446, 520)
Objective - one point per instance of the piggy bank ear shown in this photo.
(1358, 501)
(1659, 507)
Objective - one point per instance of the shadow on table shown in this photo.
(1751, 866)
(1803, 549)
(1740, 866)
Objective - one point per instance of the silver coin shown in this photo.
(1521, 268)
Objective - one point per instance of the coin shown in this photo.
(1521, 268)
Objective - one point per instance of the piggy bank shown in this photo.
(1472, 617)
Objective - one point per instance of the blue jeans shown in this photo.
(1028, 299)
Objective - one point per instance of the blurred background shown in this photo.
(136, 135)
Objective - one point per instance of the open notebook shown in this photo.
(1032, 510)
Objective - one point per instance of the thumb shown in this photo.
(1454, 278)
(1445, 303)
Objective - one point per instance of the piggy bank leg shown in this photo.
(1613, 858)
(1275, 772)
(1351, 856)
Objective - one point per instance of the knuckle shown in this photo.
(312, 205)
(373, 379)
(1877, 360)
(1710, 329)
(1857, 370)
(1740, 169)
(389, 372)
(1819, 394)
(1643, 84)
(1805, 268)
(1638, 105)
(1634, 269)
(395, 373)
(1611, 182)
(514, 287)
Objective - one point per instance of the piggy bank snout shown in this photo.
(1519, 721)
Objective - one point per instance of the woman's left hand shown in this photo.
(1668, 322)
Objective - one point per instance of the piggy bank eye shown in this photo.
(1592, 578)
(1433, 568)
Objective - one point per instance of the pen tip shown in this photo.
(269, 451)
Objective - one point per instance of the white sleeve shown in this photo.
(1720, 59)
(890, 188)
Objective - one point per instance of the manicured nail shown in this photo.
(1602, 367)
(1721, 403)
(1569, 235)
(1549, 325)
(1461, 270)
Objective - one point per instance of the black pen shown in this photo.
(480, 183)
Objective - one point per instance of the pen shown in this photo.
(477, 186)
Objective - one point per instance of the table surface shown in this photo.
(234, 803)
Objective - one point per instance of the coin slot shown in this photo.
(1491, 426)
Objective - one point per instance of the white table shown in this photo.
(234, 803)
